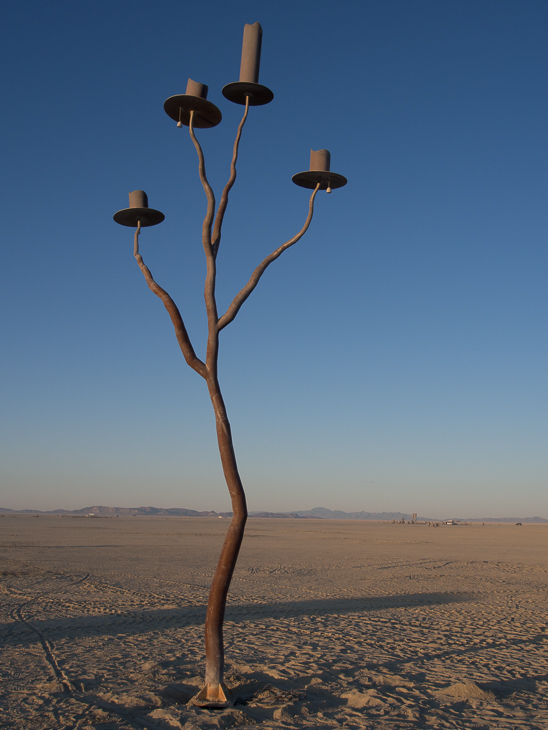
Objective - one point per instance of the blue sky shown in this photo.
(395, 359)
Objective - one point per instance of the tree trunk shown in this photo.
(229, 554)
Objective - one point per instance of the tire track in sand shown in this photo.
(17, 615)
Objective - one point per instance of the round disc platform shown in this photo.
(131, 216)
(206, 114)
(311, 178)
(239, 90)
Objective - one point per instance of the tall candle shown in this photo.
(251, 53)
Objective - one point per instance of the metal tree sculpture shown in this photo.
(193, 110)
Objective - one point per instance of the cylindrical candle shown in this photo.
(193, 88)
(138, 199)
(251, 53)
(320, 160)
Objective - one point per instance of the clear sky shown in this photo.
(395, 359)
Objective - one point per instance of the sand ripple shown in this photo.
(330, 624)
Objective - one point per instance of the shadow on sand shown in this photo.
(159, 619)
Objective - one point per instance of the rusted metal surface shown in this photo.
(320, 160)
(216, 237)
(248, 90)
(192, 110)
(214, 697)
(320, 173)
(180, 107)
(138, 212)
(251, 53)
(244, 293)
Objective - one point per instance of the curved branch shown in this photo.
(173, 311)
(244, 293)
(228, 187)
(208, 220)
(209, 287)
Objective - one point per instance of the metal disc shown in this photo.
(206, 114)
(131, 216)
(239, 90)
(311, 178)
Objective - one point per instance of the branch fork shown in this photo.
(215, 694)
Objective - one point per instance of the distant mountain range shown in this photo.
(320, 513)
(101, 511)
(329, 514)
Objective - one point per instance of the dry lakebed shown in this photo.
(329, 624)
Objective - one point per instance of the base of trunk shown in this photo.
(214, 697)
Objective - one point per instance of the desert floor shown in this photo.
(329, 624)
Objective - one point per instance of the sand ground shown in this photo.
(330, 624)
